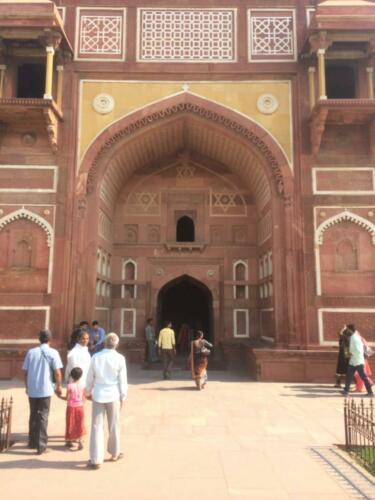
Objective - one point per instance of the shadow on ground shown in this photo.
(318, 391)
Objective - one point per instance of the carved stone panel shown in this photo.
(131, 233)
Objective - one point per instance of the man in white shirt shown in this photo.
(79, 357)
(107, 385)
(357, 361)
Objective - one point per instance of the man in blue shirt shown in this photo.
(97, 336)
(40, 365)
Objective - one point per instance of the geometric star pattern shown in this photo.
(144, 200)
(224, 199)
(185, 172)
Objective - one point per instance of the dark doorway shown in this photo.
(186, 301)
(340, 81)
(31, 80)
(185, 229)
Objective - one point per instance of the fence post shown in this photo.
(346, 420)
(9, 426)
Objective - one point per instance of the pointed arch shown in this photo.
(260, 140)
(24, 213)
(346, 215)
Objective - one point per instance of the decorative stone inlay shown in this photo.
(195, 109)
(100, 34)
(346, 215)
(103, 103)
(46, 211)
(23, 213)
(370, 213)
(1, 211)
(210, 273)
(267, 104)
(143, 201)
(271, 34)
(224, 199)
(186, 35)
(322, 213)
(185, 172)
(28, 139)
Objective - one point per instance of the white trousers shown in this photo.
(112, 410)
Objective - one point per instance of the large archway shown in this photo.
(186, 301)
(187, 134)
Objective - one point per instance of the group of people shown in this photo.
(352, 362)
(165, 347)
(94, 371)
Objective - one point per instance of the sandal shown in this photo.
(92, 466)
(118, 457)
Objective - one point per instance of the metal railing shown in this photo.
(360, 431)
(5, 423)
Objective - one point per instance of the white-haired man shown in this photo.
(107, 385)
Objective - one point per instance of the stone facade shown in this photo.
(207, 163)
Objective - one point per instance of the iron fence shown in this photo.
(5, 423)
(360, 431)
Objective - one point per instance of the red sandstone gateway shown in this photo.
(205, 164)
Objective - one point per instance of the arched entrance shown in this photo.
(190, 159)
(186, 301)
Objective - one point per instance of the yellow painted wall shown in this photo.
(238, 96)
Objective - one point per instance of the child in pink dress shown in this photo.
(75, 415)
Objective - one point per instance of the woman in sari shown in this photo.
(343, 357)
(200, 350)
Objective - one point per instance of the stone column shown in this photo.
(322, 73)
(60, 74)
(2, 78)
(370, 82)
(49, 72)
(312, 97)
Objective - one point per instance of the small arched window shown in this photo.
(129, 270)
(129, 275)
(240, 274)
(185, 230)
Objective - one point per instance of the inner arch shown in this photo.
(186, 301)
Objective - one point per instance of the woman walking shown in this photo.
(343, 357)
(200, 350)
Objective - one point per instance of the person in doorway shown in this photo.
(79, 357)
(151, 342)
(343, 357)
(356, 361)
(183, 339)
(41, 365)
(200, 350)
(167, 348)
(97, 336)
(107, 386)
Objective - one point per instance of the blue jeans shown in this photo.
(361, 372)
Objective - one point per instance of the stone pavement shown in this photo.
(235, 439)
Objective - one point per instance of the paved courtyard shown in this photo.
(235, 439)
